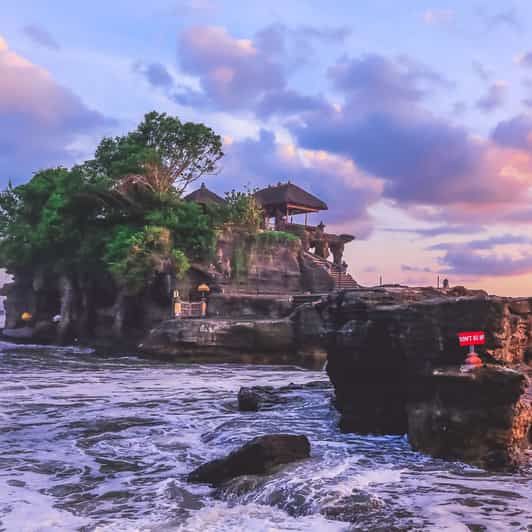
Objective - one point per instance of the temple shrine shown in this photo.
(287, 208)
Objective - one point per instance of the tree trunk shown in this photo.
(87, 309)
(119, 313)
(68, 309)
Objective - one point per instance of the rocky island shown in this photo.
(113, 251)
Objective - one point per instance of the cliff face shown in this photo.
(251, 263)
(393, 358)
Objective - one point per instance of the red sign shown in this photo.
(471, 338)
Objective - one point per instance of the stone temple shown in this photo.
(315, 265)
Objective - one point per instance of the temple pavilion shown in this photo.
(286, 200)
(204, 196)
(281, 203)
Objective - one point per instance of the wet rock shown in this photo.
(248, 400)
(483, 417)
(254, 306)
(383, 346)
(222, 338)
(251, 399)
(254, 398)
(256, 457)
(20, 333)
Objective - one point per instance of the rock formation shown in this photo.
(393, 357)
(256, 457)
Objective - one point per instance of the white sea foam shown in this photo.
(107, 442)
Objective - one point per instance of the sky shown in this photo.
(411, 119)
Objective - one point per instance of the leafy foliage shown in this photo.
(134, 257)
(163, 154)
(273, 238)
(119, 213)
(242, 208)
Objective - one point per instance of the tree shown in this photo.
(112, 224)
(242, 208)
(162, 154)
(134, 257)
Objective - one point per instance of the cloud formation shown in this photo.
(494, 98)
(482, 257)
(424, 160)
(155, 73)
(462, 261)
(40, 118)
(486, 243)
(506, 18)
(250, 74)
(232, 72)
(41, 36)
(438, 230)
(438, 16)
(336, 180)
(515, 132)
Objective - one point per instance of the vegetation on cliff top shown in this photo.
(120, 213)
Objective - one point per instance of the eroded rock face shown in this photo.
(238, 306)
(384, 346)
(222, 338)
(482, 416)
(256, 457)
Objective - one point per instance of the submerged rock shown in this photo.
(254, 398)
(256, 457)
(251, 399)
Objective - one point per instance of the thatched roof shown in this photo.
(289, 194)
(204, 196)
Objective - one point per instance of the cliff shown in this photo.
(393, 358)
(65, 307)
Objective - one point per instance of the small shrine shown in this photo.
(204, 197)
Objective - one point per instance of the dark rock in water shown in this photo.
(251, 399)
(222, 338)
(248, 400)
(256, 457)
(20, 333)
(482, 416)
(254, 398)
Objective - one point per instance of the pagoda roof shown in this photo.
(204, 195)
(289, 194)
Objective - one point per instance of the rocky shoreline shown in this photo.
(393, 358)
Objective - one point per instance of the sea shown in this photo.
(97, 441)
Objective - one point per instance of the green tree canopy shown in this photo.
(120, 213)
(168, 154)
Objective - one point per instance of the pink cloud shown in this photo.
(39, 117)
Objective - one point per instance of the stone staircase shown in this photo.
(342, 280)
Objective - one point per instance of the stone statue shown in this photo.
(337, 249)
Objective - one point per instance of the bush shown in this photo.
(274, 238)
(134, 256)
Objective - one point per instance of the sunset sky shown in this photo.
(411, 119)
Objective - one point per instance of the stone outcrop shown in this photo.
(257, 457)
(481, 416)
(245, 261)
(64, 309)
(254, 398)
(249, 399)
(386, 347)
(296, 339)
(238, 306)
(223, 339)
